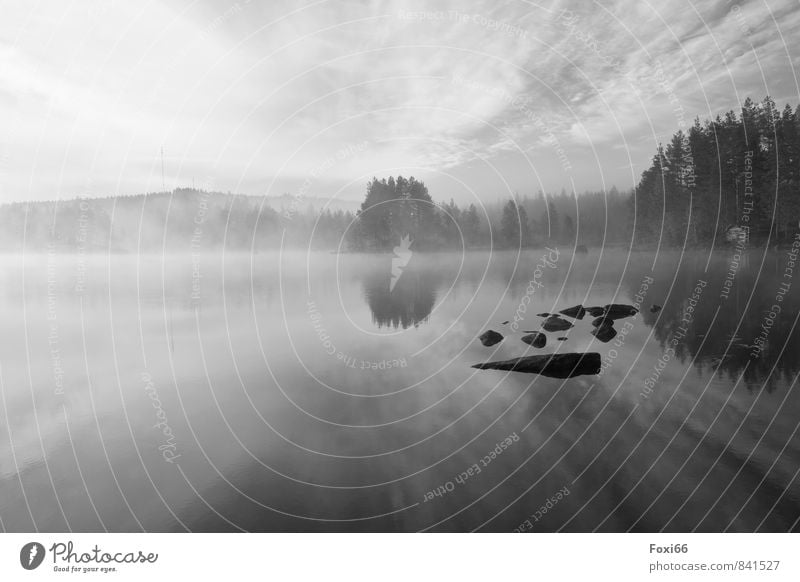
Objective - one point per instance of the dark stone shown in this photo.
(551, 365)
(556, 323)
(561, 339)
(655, 308)
(619, 311)
(491, 337)
(576, 312)
(595, 311)
(505, 322)
(536, 339)
(605, 333)
(544, 314)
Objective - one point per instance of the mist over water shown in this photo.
(297, 391)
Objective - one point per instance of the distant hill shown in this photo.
(314, 204)
(179, 221)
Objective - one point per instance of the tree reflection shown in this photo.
(744, 337)
(408, 303)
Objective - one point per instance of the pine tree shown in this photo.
(470, 225)
(552, 221)
(514, 225)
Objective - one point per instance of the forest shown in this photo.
(735, 170)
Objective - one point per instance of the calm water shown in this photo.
(297, 392)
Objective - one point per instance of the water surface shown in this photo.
(300, 391)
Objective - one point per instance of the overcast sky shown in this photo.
(478, 99)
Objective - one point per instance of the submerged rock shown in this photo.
(595, 311)
(505, 322)
(576, 312)
(655, 308)
(581, 249)
(551, 365)
(490, 338)
(605, 333)
(536, 339)
(618, 311)
(544, 314)
(556, 323)
(603, 320)
(562, 339)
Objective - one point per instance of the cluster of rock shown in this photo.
(562, 365)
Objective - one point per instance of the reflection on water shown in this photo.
(302, 392)
(748, 332)
(408, 302)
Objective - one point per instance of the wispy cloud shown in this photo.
(253, 96)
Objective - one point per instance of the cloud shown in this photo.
(253, 96)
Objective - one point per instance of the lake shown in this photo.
(302, 391)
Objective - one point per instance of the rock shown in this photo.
(536, 339)
(505, 322)
(618, 311)
(544, 314)
(491, 337)
(576, 312)
(581, 250)
(655, 308)
(604, 320)
(595, 311)
(605, 333)
(556, 323)
(561, 339)
(550, 365)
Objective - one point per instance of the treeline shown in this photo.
(736, 170)
(396, 207)
(199, 221)
(185, 220)
(590, 218)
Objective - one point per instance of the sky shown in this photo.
(479, 99)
